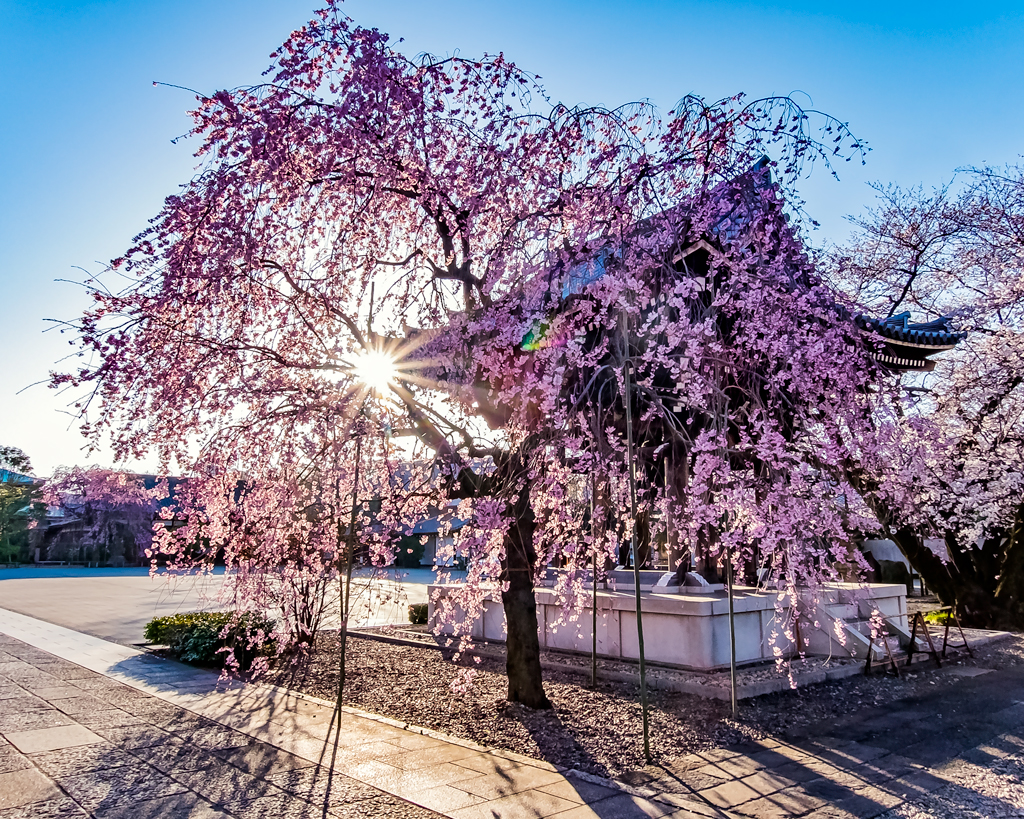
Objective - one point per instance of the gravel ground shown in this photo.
(594, 730)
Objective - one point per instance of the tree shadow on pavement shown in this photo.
(926, 749)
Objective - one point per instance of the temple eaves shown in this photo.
(902, 346)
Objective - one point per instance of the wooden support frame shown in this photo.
(951, 619)
(951, 614)
(884, 637)
(918, 618)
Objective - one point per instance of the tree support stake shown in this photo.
(636, 562)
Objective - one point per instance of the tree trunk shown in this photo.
(643, 539)
(1010, 591)
(985, 583)
(522, 664)
(941, 578)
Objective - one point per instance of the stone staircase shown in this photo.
(841, 626)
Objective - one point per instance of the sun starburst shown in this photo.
(376, 369)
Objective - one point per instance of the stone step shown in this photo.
(844, 611)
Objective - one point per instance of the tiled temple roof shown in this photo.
(935, 333)
(897, 344)
(906, 346)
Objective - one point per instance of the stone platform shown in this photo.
(688, 628)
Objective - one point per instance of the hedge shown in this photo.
(209, 637)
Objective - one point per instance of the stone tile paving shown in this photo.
(168, 747)
(68, 753)
(913, 758)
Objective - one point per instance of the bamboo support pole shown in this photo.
(636, 563)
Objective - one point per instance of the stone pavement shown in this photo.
(866, 764)
(95, 728)
(74, 743)
(92, 728)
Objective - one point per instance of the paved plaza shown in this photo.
(92, 728)
(116, 604)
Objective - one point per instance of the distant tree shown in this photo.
(112, 511)
(13, 459)
(956, 465)
(20, 507)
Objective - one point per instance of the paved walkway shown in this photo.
(114, 604)
(93, 728)
(912, 750)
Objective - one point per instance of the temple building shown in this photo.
(902, 346)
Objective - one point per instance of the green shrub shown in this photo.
(201, 637)
(159, 629)
(938, 618)
(418, 614)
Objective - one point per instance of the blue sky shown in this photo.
(85, 138)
